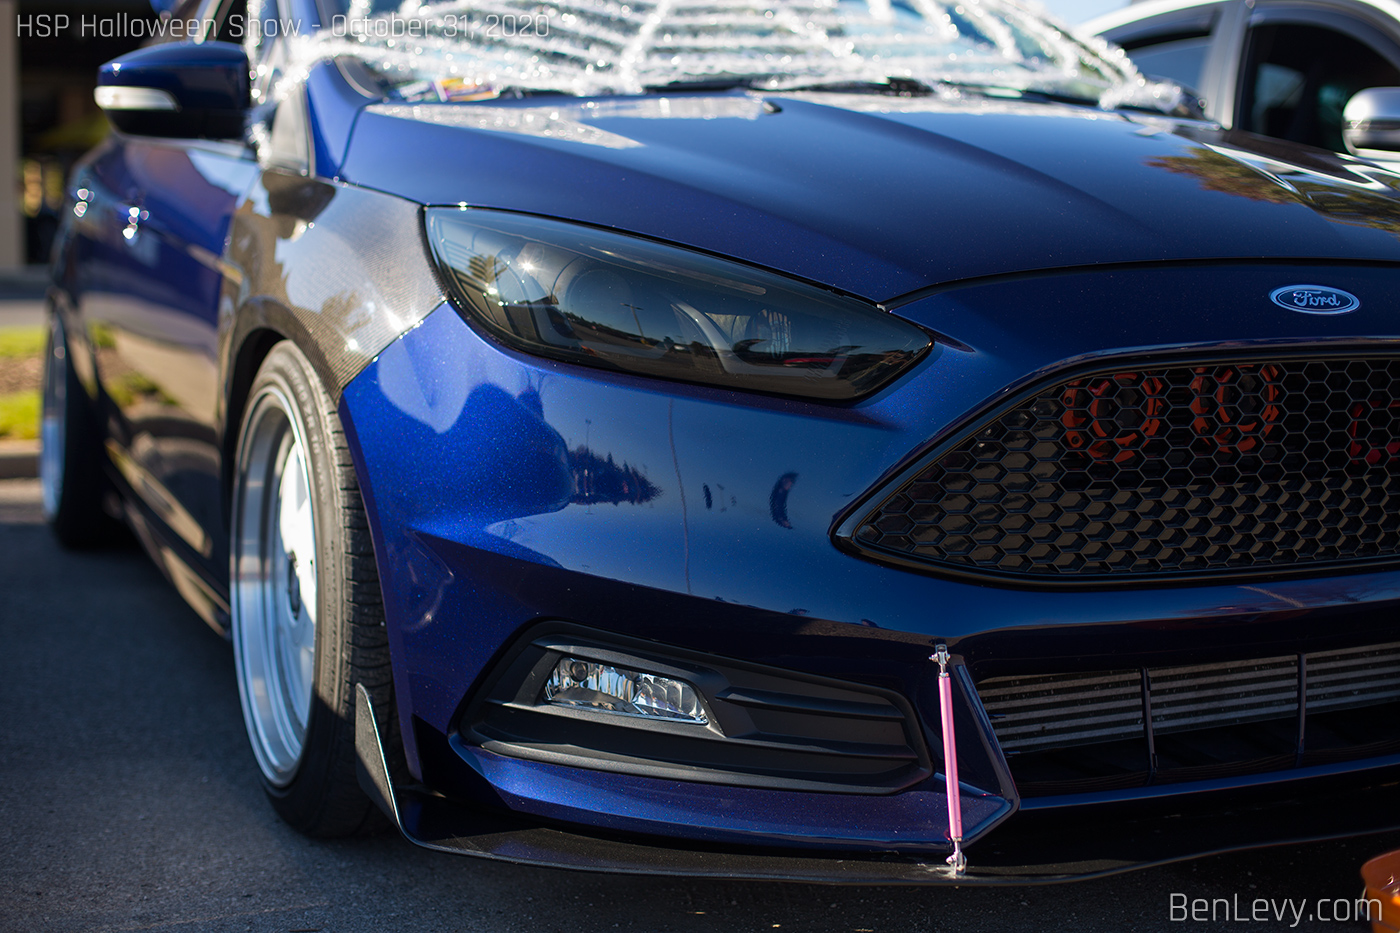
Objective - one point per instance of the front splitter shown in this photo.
(1035, 847)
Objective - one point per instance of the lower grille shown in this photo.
(1167, 723)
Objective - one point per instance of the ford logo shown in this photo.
(1314, 299)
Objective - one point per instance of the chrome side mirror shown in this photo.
(1371, 122)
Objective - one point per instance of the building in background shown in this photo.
(49, 54)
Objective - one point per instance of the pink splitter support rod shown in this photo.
(957, 861)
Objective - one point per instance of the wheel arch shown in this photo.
(261, 325)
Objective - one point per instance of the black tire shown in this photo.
(71, 453)
(313, 784)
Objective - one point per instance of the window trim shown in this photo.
(1348, 19)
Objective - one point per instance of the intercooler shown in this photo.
(1033, 715)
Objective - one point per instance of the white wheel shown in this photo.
(274, 590)
(308, 625)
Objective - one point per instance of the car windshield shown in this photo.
(465, 51)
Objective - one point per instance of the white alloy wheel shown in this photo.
(274, 586)
(307, 615)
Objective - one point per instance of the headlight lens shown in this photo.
(587, 296)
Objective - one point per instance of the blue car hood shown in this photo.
(882, 196)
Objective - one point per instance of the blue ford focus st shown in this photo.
(792, 441)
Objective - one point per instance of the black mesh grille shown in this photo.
(1179, 470)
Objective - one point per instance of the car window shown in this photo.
(1181, 60)
(267, 43)
(1297, 78)
(587, 48)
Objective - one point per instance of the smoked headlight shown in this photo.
(588, 296)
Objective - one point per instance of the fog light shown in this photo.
(594, 685)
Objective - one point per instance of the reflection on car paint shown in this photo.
(341, 265)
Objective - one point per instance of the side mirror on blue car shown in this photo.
(183, 90)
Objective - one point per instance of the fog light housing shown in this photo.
(594, 685)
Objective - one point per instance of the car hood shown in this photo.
(883, 196)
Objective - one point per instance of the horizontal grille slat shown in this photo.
(1167, 471)
(1051, 710)
(1058, 699)
(1088, 737)
(1200, 696)
(1068, 710)
(1351, 679)
(1078, 725)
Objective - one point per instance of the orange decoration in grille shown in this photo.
(1240, 466)
(1373, 431)
(1236, 406)
(1111, 417)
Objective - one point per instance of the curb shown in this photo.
(19, 459)
(24, 283)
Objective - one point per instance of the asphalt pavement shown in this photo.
(21, 313)
(128, 802)
(22, 296)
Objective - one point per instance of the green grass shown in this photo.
(17, 343)
(19, 411)
(19, 415)
(128, 388)
(100, 336)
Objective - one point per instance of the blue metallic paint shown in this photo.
(484, 539)
(210, 75)
(710, 527)
(913, 821)
(146, 318)
(333, 104)
(955, 192)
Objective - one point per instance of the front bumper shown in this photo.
(505, 490)
(1035, 848)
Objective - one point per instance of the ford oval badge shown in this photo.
(1314, 299)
